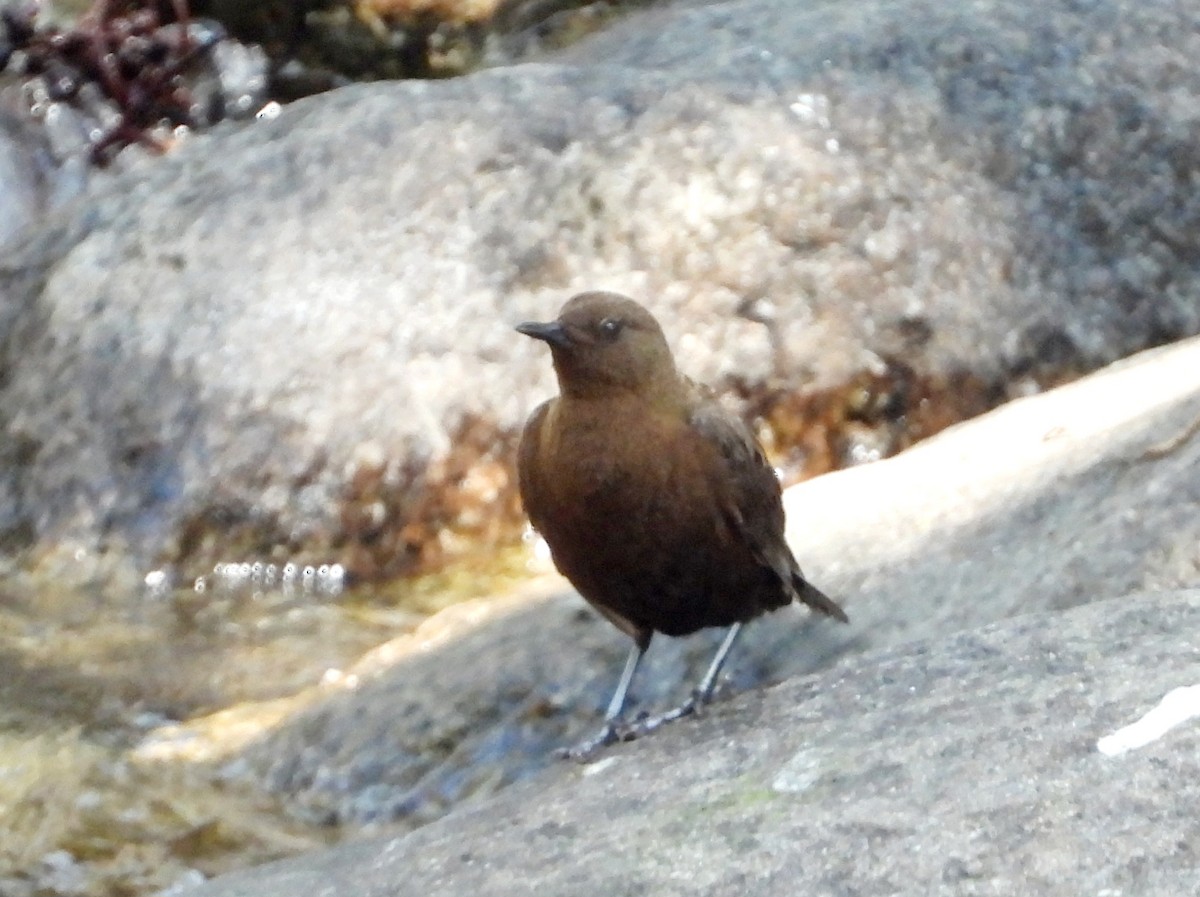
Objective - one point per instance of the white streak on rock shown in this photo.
(1177, 706)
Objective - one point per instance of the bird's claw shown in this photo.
(645, 724)
(616, 730)
(586, 751)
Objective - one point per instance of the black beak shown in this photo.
(553, 333)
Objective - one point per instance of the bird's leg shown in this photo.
(700, 695)
(703, 692)
(617, 703)
(610, 732)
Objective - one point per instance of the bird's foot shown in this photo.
(645, 724)
(586, 751)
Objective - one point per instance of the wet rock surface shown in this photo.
(1080, 495)
(292, 336)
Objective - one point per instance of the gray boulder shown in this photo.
(964, 765)
(291, 338)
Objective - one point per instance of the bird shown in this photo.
(657, 503)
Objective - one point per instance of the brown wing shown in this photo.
(751, 499)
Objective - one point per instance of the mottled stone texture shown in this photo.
(271, 340)
(965, 765)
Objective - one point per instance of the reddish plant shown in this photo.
(135, 53)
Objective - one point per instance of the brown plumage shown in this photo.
(657, 503)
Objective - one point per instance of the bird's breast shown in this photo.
(627, 492)
(619, 463)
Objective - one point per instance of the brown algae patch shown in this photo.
(874, 415)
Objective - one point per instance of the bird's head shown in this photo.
(606, 344)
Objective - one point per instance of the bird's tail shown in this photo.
(816, 599)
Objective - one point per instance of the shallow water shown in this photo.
(89, 684)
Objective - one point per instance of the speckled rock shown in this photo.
(293, 336)
(966, 765)
(20, 196)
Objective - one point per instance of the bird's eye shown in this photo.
(610, 328)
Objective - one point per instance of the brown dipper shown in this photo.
(657, 503)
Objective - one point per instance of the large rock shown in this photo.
(964, 765)
(1085, 493)
(292, 337)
